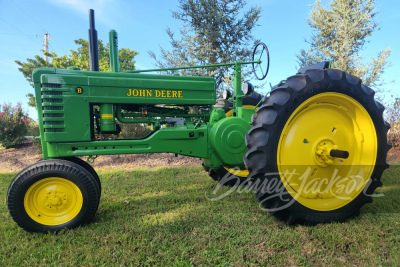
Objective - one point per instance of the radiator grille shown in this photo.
(53, 123)
(54, 130)
(53, 115)
(52, 100)
(53, 108)
(51, 93)
(51, 85)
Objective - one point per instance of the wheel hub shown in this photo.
(322, 153)
(55, 199)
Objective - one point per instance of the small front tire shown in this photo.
(88, 167)
(51, 195)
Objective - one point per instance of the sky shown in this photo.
(141, 27)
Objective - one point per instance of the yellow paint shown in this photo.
(239, 173)
(107, 116)
(53, 201)
(158, 93)
(327, 120)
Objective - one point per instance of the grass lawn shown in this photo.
(162, 217)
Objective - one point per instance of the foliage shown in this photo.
(213, 32)
(14, 125)
(78, 58)
(33, 130)
(340, 33)
(392, 113)
(161, 217)
(133, 131)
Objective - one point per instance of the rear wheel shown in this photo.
(51, 195)
(317, 148)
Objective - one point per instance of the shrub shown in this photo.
(133, 131)
(14, 125)
(34, 131)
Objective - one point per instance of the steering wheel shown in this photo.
(260, 49)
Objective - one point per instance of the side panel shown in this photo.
(65, 108)
(151, 91)
(64, 98)
(178, 140)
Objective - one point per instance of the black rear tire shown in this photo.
(268, 130)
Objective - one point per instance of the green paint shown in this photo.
(65, 101)
(107, 119)
(227, 140)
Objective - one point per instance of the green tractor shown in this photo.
(313, 151)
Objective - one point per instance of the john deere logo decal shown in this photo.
(157, 93)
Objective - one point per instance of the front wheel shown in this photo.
(89, 168)
(317, 148)
(51, 195)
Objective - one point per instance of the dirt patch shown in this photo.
(17, 158)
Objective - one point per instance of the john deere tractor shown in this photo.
(313, 150)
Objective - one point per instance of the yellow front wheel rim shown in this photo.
(53, 201)
(239, 173)
(324, 122)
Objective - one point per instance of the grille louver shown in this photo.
(53, 109)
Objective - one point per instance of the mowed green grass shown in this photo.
(162, 217)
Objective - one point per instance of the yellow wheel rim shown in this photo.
(239, 173)
(327, 121)
(53, 201)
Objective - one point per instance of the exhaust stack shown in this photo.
(93, 44)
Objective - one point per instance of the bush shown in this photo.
(14, 125)
(34, 131)
(133, 131)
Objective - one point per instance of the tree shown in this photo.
(78, 58)
(213, 32)
(340, 33)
